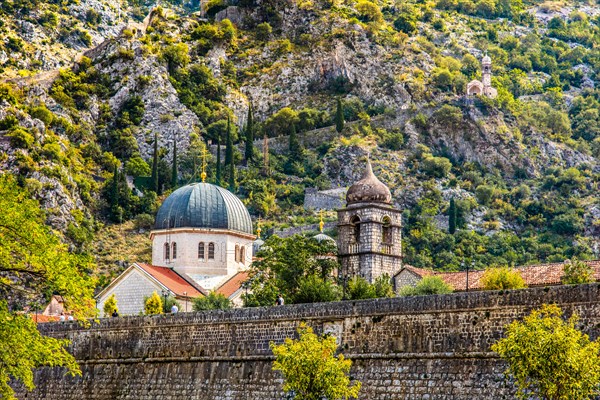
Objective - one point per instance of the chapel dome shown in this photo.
(368, 189)
(203, 205)
(321, 237)
(486, 60)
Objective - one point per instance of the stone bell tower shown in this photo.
(369, 231)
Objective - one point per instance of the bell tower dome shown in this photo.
(369, 231)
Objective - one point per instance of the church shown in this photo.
(203, 241)
(483, 87)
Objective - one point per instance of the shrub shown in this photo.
(313, 289)
(110, 306)
(426, 286)
(9, 122)
(212, 301)
(576, 272)
(42, 113)
(368, 11)
(436, 167)
(449, 115)
(153, 304)
(502, 278)
(20, 137)
(263, 31)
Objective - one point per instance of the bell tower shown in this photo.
(369, 231)
(486, 72)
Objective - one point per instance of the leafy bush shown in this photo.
(263, 31)
(426, 286)
(576, 272)
(20, 137)
(212, 301)
(110, 306)
(502, 278)
(153, 304)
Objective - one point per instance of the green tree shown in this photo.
(154, 177)
(110, 306)
(310, 368)
(231, 177)
(176, 56)
(278, 123)
(212, 301)
(153, 304)
(294, 146)
(282, 264)
(502, 278)
(576, 272)
(426, 286)
(452, 216)
(228, 144)
(34, 261)
(358, 288)
(169, 303)
(174, 166)
(249, 136)
(314, 289)
(339, 116)
(218, 172)
(549, 357)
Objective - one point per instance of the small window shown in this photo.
(174, 252)
(211, 251)
(386, 230)
(243, 255)
(167, 251)
(237, 253)
(201, 251)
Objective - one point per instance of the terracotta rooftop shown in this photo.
(171, 280)
(41, 319)
(233, 284)
(533, 275)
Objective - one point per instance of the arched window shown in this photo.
(167, 251)
(201, 251)
(237, 253)
(386, 230)
(355, 221)
(174, 252)
(243, 255)
(211, 251)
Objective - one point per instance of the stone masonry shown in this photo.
(433, 347)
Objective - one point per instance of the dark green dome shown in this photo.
(203, 205)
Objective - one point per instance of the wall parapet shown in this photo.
(406, 348)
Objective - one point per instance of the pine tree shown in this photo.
(174, 170)
(218, 182)
(115, 188)
(249, 136)
(154, 178)
(339, 116)
(452, 214)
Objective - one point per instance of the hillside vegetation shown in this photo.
(94, 141)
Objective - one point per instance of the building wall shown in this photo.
(187, 260)
(130, 292)
(434, 347)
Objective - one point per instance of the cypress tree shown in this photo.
(231, 177)
(294, 146)
(174, 170)
(218, 182)
(229, 148)
(249, 136)
(452, 214)
(154, 178)
(115, 188)
(339, 116)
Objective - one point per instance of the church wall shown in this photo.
(187, 260)
(130, 292)
(435, 347)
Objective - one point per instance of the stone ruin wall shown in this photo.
(434, 347)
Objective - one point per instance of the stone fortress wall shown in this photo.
(434, 347)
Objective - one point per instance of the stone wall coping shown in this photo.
(455, 302)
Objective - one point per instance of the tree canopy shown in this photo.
(549, 357)
(310, 368)
(34, 261)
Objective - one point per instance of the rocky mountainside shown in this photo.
(522, 168)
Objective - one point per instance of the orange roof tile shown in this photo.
(171, 280)
(233, 284)
(42, 319)
(533, 275)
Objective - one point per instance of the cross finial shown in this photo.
(203, 174)
(321, 223)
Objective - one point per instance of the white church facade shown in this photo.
(483, 87)
(202, 241)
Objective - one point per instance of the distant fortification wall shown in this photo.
(434, 347)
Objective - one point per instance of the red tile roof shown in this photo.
(42, 319)
(171, 280)
(233, 284)
(533, 275)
